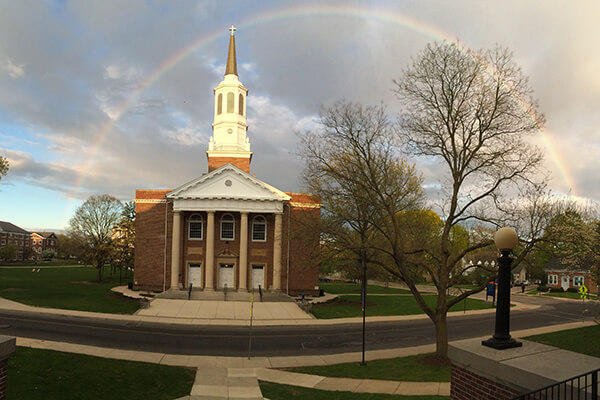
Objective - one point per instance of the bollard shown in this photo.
(225, 292)
(260, 292)
(190, 292)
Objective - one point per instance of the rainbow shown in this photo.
(301, 11)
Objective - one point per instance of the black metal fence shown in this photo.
(581, 387)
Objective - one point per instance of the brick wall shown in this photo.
(3, 377)
(240, 162)
(466, 385)
(304, 244)
(149, 255)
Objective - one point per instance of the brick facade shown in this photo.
(153, 254)
(242, 163)
(588, 280)
(12, 235)
(467, 385)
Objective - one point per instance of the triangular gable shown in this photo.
(228, 182)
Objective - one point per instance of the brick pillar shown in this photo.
(243, 252)
(175, 250)
(277, 253)
(7, 347)
(210, 251)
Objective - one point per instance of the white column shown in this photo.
(277, 253)
(175, 250)
(243, 251)
(210, 251)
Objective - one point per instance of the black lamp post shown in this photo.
(506, 239)
(364, 306)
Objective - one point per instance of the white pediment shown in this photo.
(228, 183)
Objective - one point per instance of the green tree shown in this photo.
(48, 254)
(9, 251)
(471, 111)
(92, 229)
(124, 239)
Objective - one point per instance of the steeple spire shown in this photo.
(231, 67)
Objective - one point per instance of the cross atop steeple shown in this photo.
(232, 29)
(231, 66)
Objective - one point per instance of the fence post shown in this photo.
(595, 384)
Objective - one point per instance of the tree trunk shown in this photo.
(99, 272)
(441, 335)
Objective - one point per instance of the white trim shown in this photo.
(201, 227)
(264, 223)
(149, 201)
(232, 230)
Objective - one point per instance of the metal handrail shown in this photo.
(580, 387)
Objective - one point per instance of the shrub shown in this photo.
(556, 290)
(542, 288)
(573, 290)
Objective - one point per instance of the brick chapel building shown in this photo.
(227, 228)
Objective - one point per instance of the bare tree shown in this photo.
(92, 228)
(471, 111)
(3, 166)
(352, 164)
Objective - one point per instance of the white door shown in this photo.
(258, 276)
(195, 275)
(564, 283)
(226, 276)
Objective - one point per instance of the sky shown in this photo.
(108, 97)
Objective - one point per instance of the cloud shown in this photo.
(14, 70)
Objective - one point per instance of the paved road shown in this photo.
(271, 341)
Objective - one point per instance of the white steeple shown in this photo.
(229, 143)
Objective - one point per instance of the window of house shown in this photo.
(195, 227)
(227, 227)
(577, 280)
(230, 99)
(22, 243)
(552, 279)
(259, 229)
(3, 242)
(241, 105)
(219, 103)
(27, 243)
(33, 241)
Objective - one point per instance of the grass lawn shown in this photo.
(66, 288)
(52, 263)
(580, 340)
(276, 391)
(36, 374)
(350, 306)
(393, 369)
(347, 288)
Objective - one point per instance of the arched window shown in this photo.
(230, 98)
(195, 227)
(227, 227)
(219, 103)
(241, 105)
(259, 229)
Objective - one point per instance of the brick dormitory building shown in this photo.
(227, 228)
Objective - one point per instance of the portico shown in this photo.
(230, 223)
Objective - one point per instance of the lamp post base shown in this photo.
(501, 344)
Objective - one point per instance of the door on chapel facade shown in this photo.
(226, 275)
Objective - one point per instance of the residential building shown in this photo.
(12, 235)
(41, 241)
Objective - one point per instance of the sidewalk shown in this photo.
(232, 313)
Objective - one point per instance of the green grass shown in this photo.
(66, 288)
(569, 295)
(348, 288)
(393, 369)
(580, 340)
(276, 391)
(40, 263)
(35, 374)
(350, 306)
